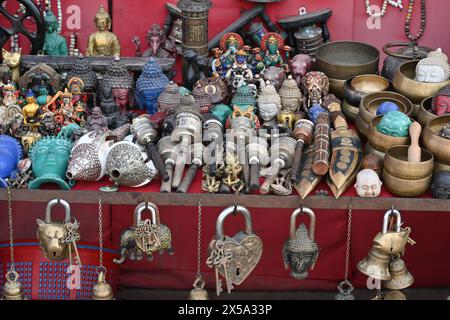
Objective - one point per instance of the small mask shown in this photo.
(441, 185)
(368, 184)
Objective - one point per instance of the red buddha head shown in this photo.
(122, 98)
(441, 102)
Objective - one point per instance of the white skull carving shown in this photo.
(368, 184)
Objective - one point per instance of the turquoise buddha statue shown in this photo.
(55, 44)
(395, 124)
(244, 105)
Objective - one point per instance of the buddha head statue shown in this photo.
(82, 70)
(368, 184)
(395, 124)
(434, 68)
(49, 157)
(149, 86)
(441, 102)
(102, 20)
(269, 102)
(10, 155)
(170, 98)
(290, 94)
(51, 23)
(441, 185)
(121, 82)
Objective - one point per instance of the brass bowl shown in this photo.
(406, 188)
(369, 149)
(440, 167)
(337, 87)
(397, 165)
(381, 141)
(423, 116)
(361, 126)
(349, 111)
(356, 88)
(346, 59)
(431, 140)
(370, 103)
(404, 83)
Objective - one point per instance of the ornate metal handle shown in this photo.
(225, 213)
(396, 54)
(312, 225)
(386, 220)
(143, 206)
(51, 204)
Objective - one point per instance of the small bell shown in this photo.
(199, 293)
(401, 278)
(345, 291)
(395, 295)
(375, 265)
(102, 290)
(13, 289)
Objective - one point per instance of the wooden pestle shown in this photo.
(414, 151)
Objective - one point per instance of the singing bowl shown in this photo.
(404, 83)
(381, 141)
(440, 167)
(369, 149)
(370, 103)
(406, 188)
(397, 165)
(424, 114)
(361, 126)
(439, 146)
(349, 111)
(357, 87)
(346, 59)
(337, 87)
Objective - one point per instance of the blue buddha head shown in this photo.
(10, 155)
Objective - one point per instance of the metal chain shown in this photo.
(349, 234)
(199, 236)
(11, 230)
(100, 228)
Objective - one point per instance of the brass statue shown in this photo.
(103, 42)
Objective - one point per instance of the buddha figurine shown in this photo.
(368, 184)
(49, 157)
(82, 70)
(434, 68)
(76, 88)
(269, 104)
(291, 96)
(108, 105)
(10, 155)
(97, 121)
(31, 110)
(55, 44)
(271, 44)
(44, 98)
(9, 95)
(243, 104)
(239, 71)
(149, 86)
(441, 102)
(230, 44)
(170, 98)
(103, 42)
(121, 82)
(441, 185)
(395, 124)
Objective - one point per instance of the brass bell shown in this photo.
(199, 293)
(376, 265)
(13, 289)
(401, 278)
(102, 290)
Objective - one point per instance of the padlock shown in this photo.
(50, 234)
(300, 251)
(234, 257)
(151, 235)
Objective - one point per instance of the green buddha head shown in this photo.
(51, 23)
(395, 124)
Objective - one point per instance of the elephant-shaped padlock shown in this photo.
(51, 234)
(146, 236)
(392, 242)
(235, 258)
(301, 251)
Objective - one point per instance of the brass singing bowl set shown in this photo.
(356, 88)
(369, 106)
(382, 142)
(437, 145)
(425, 114)
(341, 60)
(404, 178)
(416, 91)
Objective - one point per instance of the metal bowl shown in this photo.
(440, 167)
(370, 103)
(424, 115)
(381, 141)
(346, 59)
(397, 165)
(406, 188)
(362, 126)
(415, 90)
(357, 87)
(349, 111)
(431, 140)
(337, 87)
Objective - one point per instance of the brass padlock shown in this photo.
(13, 288)
(51, 234)
(300, 251)
(392, 242)
(234, 257)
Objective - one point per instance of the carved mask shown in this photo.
(368, 184)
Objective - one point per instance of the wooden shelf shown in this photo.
(222, 200)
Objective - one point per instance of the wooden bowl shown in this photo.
(370, 103)
(337, 87)
(424, 115)
(406, 188)
(397, 165)
(381, 141)
(404, 83)
(346, 59)
(439, 146)
(349, 111)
